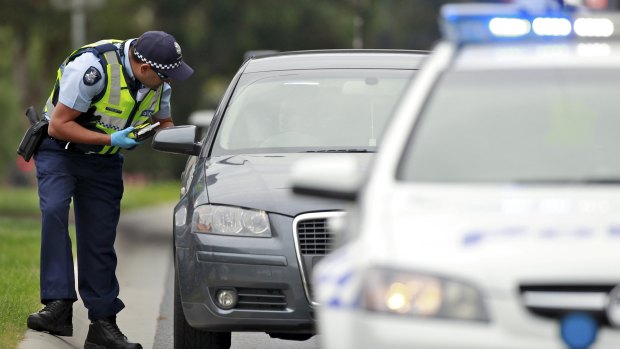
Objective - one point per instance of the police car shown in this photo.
(491, 215)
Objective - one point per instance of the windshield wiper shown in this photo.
(341, 151)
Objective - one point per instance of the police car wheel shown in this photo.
(187, 337)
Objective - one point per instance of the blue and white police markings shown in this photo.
(474, 237)
(337, 280)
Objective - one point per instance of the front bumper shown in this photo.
(264, 271)
(511, 327)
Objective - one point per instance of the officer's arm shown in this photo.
(64, 127)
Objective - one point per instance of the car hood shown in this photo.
(507, 237)
(262, 181)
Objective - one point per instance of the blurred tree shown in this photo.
(214, 35)
(31, 33)
(403, 24)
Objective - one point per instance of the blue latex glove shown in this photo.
(121, 139)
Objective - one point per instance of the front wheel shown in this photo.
(187, 337)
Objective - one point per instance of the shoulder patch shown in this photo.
(91, 76)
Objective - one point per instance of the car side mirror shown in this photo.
(178, 140)
(332, 177)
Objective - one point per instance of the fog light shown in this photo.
(226, 299)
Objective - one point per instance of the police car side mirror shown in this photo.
(178, 140)
(329, 176)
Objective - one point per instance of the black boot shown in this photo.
(55, 318)
(105, 334)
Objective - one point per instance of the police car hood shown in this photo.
(262, 181)
(504, 237)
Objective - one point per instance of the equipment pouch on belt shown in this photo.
(33, 136)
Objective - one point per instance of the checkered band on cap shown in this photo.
(155, 64)
(162, 53)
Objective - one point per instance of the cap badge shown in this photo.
(177, 47)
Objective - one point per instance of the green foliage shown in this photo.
(13, 124)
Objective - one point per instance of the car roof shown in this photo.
(539, 55)
(337, 59)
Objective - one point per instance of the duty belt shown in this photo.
(72, 147)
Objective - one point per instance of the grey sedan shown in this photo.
(244, 245)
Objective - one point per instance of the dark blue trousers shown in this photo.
(95, 184)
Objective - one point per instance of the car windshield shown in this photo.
(536, 126)
(332, 110)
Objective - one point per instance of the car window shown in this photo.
(518, 126)
(313, 110)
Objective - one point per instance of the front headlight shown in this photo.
(229, 220)
(423, 295)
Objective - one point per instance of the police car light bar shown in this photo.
(479, 23)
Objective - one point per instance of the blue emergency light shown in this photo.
(578, 330)
(480, 23)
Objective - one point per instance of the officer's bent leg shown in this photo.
(97, 210)
(56, 184)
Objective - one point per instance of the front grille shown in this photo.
(261, 299)
(313, 240)
(555, 301)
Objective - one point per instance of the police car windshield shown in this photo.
(332, 110)
(547, 126)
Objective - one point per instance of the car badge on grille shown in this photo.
(613, 307)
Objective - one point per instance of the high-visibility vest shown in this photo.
(115, 108)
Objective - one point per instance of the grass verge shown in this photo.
(24, 202)
(19, 249)
(19, 279)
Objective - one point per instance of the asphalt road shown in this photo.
(145, 275)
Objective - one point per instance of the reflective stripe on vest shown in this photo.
(116, 109)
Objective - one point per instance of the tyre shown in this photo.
(187, 337)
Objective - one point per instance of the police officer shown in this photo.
(102, 90)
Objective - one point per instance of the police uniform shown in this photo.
(98, 81)
(81, 86)
(82, 81)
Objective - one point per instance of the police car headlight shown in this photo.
(229, 220)
(422, 295)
